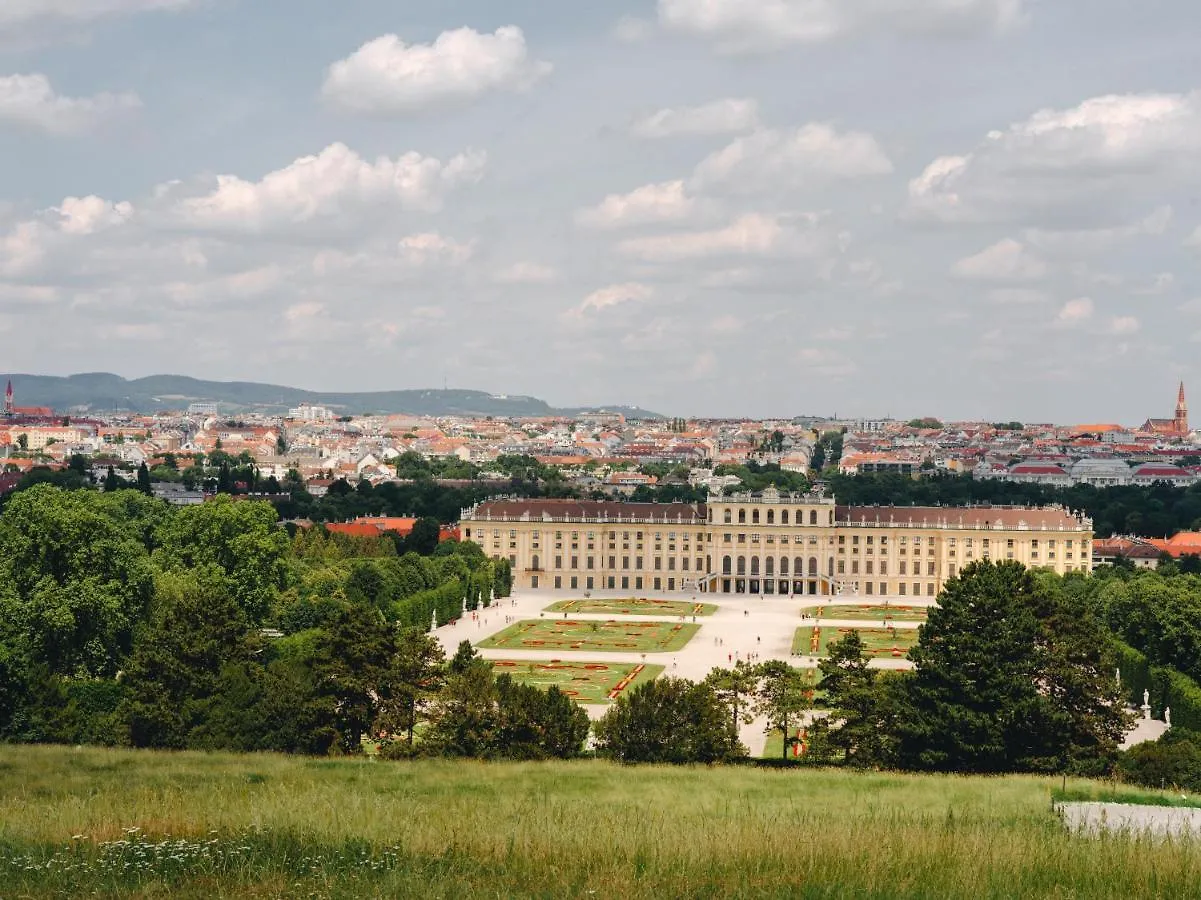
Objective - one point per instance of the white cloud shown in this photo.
(773, 160)
(1017, 296)
(1006, 260)
(86, 215)
(1088, 241)
(741, 26)
(1075, 312)
(728, 116)
(1122, 325)
(614, 295)
(387, 76)
(753, 234)
(327, 186)
(1194, 239)
(1095, 158)
(525, 273)
(434, 249)
(31, 101)
(20, 13)
(666, 202)
(144, 331)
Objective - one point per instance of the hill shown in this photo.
(104, 392)
(189, 825)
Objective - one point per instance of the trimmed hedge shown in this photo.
(1168, 687)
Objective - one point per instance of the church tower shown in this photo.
(8, 399)
(1181, 421)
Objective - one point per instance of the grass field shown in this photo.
(77, 823)
(878, 613)
(585, 682)
(614, 637)
(633, 607)
(878, 643)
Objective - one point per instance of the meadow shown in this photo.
(584, 682)
(612, 636)
(878, 643)
(109, 823)
(631, 606)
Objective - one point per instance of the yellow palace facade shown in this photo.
(768, 543)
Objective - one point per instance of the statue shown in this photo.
(1167, 716)
(1146, 698)
(1118, 677)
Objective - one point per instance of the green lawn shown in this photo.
(612, 636)
(879, 643)
(585, 682)
(187, 826)
(876, 613)
(633, 607)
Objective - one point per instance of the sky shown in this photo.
(959, 208)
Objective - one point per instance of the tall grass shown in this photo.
(278, 826)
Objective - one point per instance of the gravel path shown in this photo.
(1157, 821)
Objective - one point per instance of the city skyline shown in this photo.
(729, 208)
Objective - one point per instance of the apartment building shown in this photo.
(768, 543)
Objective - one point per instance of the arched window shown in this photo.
(725, 565)
(742, 565)
(727, 517)
(771, 517)
(831, 572)
(754, 565)
(534, 562)
(754, 517)
(783, 565)
(742, 517)
(831, 517)
(813, 517)
(813, 565)
(769, 566)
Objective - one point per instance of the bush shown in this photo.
(1172, 761)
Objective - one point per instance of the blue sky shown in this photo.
(878, 207)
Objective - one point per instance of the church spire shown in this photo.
(1181, 412)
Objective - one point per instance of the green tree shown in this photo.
(424, 537)
(782, 699)
(851, 693)
(737, 689)
(411, 683)
(144, 480)
(668, 720)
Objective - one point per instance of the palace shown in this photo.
(769, 543)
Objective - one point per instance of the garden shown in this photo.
(610, 637)
(584, 682)
(633, 607)
(878, 643)
(879, 612)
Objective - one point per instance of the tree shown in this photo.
(669, 720)
(410, 683)
(424, 537)
(736, 689)
(144, 480)
(850, 688)
(1010, 676)
(781, 699)
(23, 441)
(464, 718)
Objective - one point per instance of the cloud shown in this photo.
(666, 202)
(773, 160)
(1080, 163)
(1006, 260)
(728, 116)
(1075, 312)
(1122, 325)
(327, 187)
(750, 26)
(31, 101)
(753, 234)
(16, 14)
(614, 295)
(1194, 239)
(434, 249)
(133, 332)
(1089, 241)
(87, 215)
(388, 77)
(524, 273)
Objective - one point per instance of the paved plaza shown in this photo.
(743, 627)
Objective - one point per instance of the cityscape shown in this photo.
(643, 449)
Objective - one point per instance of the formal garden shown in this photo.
(878, 643)
(879, 612)
(611, 636)
(632, 606)
(584, 682)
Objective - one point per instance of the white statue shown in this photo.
(1118, 677)
(1167, 716)
(1146, 698)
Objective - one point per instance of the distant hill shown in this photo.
(100, 392)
